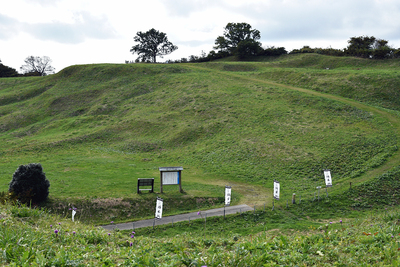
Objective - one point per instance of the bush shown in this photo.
(29, 184)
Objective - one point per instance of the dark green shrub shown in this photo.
(29, 184)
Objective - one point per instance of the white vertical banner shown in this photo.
(159, 206)
(73, 214)
(228, 193)
(276, 189)
(328, 178)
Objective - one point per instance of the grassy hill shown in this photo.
(97, 128)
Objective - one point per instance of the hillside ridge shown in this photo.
(225, 122)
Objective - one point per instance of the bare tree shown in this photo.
(39, 65)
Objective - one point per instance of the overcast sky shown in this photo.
(74, 32)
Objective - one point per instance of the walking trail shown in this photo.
(179, 218)
(253, 194)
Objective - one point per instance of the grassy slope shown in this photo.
(96, 128)
(83, 136)
(30, 237)
(370, 81)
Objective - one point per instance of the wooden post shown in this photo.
(205, 222)
(161, 182)
(318, 187)
(180, 182)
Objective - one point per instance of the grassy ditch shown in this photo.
(104, 210)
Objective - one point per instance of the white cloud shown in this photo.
(186, 8)
(84, 26)
(90, 31)
(8, 27)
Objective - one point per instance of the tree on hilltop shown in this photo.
(6, 71)
(239, 39)
(40, 66)
(152, 44)
(369, 47)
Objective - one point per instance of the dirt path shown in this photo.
(252, 195)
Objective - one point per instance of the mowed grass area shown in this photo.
(97, 128)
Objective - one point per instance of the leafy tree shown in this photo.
(6, 71)
(29, 183)
(193, 58)
(152, 44)
(39, 65)
(247, 48)
(361, 42)
(382, 50)
(274, 51)
(235, 33)
(221, 44)
(369, 47)
(212, 55)
(396, 53)
(304, 49)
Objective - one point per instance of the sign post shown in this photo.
(228, 197)
(228, 194)
(276, 193)
(277, 189)
(171, 176)
(328, 178)
(73, 214)
(159, 207)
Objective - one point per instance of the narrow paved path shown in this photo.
(179, 218)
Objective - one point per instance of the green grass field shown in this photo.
(97, 128)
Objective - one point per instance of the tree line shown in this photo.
(241, 40)
(238, 39)
(34, 66)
